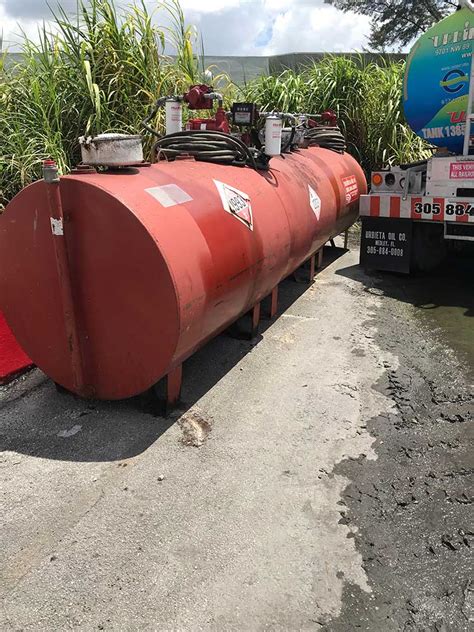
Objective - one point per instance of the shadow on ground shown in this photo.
(36, 421)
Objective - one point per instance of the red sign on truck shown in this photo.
(462, 170)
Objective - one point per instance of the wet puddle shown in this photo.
(445, 302)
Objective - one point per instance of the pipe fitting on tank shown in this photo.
(50, 171)
(215, 96)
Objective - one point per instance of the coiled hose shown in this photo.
(327, 137)
(206, 146)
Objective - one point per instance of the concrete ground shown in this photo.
(254, 507)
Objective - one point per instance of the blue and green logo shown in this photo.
(436, 85)
(454, 81)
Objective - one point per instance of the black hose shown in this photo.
(327, 137)
(206, 146)
(158, 105)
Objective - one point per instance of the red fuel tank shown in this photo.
(161, 259)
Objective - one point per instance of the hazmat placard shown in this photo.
(315, 202)
(236, 202)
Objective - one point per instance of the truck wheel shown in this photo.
(429, 248)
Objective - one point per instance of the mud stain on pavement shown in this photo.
(412, 509)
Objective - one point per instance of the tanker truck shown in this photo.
(115, 274)
(415, 213)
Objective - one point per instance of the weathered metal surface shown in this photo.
(58, 244)
(112, 150)
(163, 258)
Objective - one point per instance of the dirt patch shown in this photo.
(412, 509)
(195, 429)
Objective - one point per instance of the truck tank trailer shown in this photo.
(415, 211)
(112, 276)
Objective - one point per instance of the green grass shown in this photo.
(102, 71)
(99, 72)
(366, 97)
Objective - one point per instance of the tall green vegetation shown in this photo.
(366, 98)
(101, 72)
(97, 72)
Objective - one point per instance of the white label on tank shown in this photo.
(315, 202)
(57, 227)
(236, 203)
(169, 195)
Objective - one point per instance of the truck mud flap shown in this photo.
(386, 244)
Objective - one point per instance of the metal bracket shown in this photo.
(451, 237)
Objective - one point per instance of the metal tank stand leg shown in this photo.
(305, 274)
(270, 305)
(165, 396)
(320, 258)
(255, 313)
(274, 302)
(312, 268)
(174, 381)
(346, 239)
(247, 326)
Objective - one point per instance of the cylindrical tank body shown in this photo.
(163, 258)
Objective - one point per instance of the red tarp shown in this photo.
(13, 359)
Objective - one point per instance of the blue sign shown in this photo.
(436, 86)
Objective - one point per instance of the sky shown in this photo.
(230, 27)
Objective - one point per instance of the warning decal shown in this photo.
(236, 203)
(315, 202)
(462, 171)
(352, 189)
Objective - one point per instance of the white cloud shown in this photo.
(281, 6)
(305, 29)
(232, 27)
(269, 27)
(209, 6)
(11, 29)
